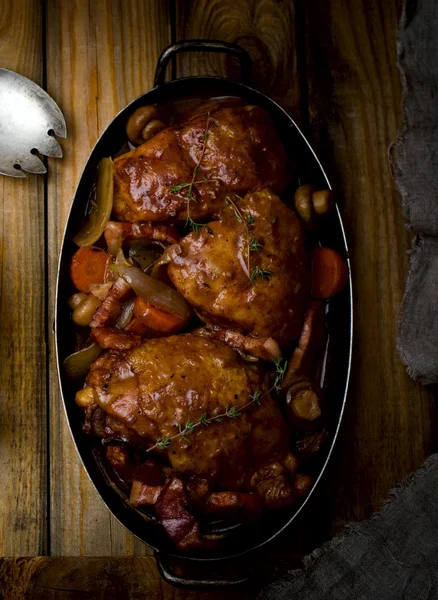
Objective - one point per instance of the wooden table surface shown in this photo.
(331, 64)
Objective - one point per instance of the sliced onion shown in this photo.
(121, 261)
(159, 270)
(78, 364)
(155, 292)
(247, 357)
(126, 314)
(94, 224)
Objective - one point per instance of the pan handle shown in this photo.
(169, 575)
(203, 46)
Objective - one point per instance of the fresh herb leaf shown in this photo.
(259, 273)
(162, 442)
(177, 188)
(255, 245)
(233, 412)
(280, 366)
(250, 219)
(192, 225)
(256, 397)
(203, 420)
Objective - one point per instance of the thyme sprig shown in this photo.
(191, 185)
(255, 245)
(232, 411)
(252, 243)
(259, 273)
(237, 213)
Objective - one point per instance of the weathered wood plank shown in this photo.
(101, 55)
(58, 578)
(265, 28)
(354, 102)
(23, 490)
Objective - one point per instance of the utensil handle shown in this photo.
(203, 46)
(171, 577)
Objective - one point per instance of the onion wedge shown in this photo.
(155, 292)
(78, 364)
(94, 224)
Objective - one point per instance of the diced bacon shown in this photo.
(114, 339)
(117, 455)
(117, 233)
(228, 505)
(143, 494)
(179, 524)
(311, 340)
(265, 348)
(111, 307)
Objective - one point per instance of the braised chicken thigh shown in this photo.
(248, 271)
(164, 383)
(242, 152)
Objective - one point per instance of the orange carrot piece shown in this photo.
(89, 265)
(155, 318)
(329, 273)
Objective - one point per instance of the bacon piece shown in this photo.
(117, 233)
(179, 524)
(119, 459)
(265, 348)
(144, 494)
(311, 340)
(117, 455)
(111, 307)
(230, 505)
(114, 339)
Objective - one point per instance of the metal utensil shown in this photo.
(29, 120)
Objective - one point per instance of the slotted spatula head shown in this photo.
(29, 120)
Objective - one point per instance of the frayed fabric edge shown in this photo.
(407, 482)
(417, 247)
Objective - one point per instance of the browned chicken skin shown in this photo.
(165, 382)
(242, 152)
(211, 271)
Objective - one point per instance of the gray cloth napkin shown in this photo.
(391, 556)
(416, 176)
(394, 554)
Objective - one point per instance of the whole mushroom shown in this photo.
(143, 124)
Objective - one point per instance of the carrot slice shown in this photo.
(88, 265)
(155, 318)
(329, 273)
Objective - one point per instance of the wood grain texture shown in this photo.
(100, 56)
(57, 578)
(267, 29)
(23, 489)
(354, 102)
